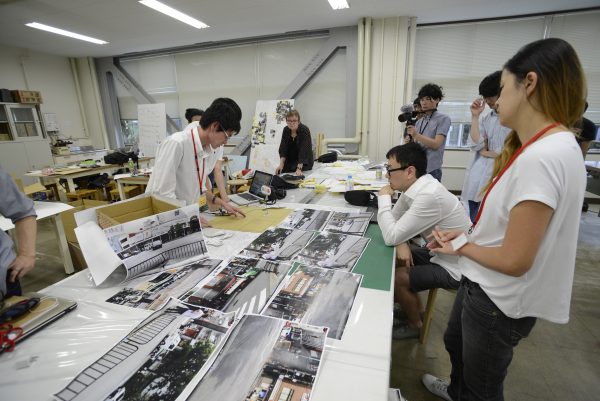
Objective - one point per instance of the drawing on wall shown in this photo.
(154, 291)
(301, 298)
(355, 223)
(157, 359)
(306, 219)
(278, 244)
(243, 285)
(267, 126)
(333, 251)
(264, 359)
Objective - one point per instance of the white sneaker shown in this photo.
(436, 386)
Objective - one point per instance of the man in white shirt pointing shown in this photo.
(185, 159)
(423, 205)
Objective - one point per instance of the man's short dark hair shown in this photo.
(226, 112)
(190, 113)
(432, 90)
(490, 85)
(410, 154)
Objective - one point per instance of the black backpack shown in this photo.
(361, 198)
(120, 157)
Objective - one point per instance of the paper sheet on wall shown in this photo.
(152, 124)
(267, 126)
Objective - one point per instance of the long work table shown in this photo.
(354, 368)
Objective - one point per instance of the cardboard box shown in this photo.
(134, 209)
(23, 96)
(68, 216)
(77, 256)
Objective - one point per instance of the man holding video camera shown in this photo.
(431, 130)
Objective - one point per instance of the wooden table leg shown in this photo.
(63, 244)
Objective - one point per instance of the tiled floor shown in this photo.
(556, 363)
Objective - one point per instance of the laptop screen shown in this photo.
(259, 180)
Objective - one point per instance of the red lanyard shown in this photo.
(510, 162)
(200, 178)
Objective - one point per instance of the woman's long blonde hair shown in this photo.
(560, 92)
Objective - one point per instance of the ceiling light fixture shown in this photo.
(59, 31)
(338, 4)
(171, 12)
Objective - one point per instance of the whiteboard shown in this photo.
(152, 125)
(267, 127)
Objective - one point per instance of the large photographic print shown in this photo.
(243, 285)
(264, 359)
(316, 296)
(355, 223)
(278, 244)
(146, 243)
(333, 251)
(306, 219)
(158, 358)
(152, 292)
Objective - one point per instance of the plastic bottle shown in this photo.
(131, 166)
(349, 183)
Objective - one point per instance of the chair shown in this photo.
(91, 194)
(128, 190)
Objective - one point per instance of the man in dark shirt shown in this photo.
(295, 149)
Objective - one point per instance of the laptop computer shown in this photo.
(48, 309)
(255, 193)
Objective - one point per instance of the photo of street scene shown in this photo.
(154, 291)
(149, 242)
(355, 223)
(333, 251)
(278, 244)
(243, 285)
(306, 219)
(316, 296)
(264, 359)
(157, 359)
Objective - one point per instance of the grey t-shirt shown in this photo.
(430, 126)
(15, 206)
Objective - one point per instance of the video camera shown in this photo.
(408, 115)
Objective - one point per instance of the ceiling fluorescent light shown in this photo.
(171, 12)
(59, 31)
(338, 4)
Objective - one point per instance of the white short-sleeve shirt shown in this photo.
(551, 171)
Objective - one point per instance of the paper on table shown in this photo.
(99, 256)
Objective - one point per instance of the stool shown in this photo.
(91, 194)
(428, 315)
(128, 190)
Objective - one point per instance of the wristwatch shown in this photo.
(459, 241)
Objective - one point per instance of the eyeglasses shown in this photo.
(292, 121)
(391, 170)
(225, 132)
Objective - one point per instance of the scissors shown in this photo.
(9, 336)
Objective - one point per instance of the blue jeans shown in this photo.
(437, 174)
(473, 209)
(480, 340)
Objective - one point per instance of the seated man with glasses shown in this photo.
(295, 149)
(184, 159)
(424, 204)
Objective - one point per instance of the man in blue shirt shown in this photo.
(19, 208)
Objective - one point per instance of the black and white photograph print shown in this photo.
(278, 244)
(316, 296)
(355, 223)
(153, 291)
(306, 219)
(243, 285)
(333, 251)
(157, 359)
(149, 242)
(265, 359)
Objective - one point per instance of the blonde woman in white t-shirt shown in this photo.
(518, 260)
